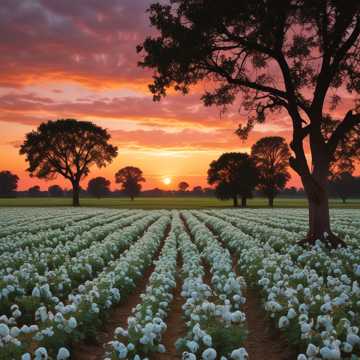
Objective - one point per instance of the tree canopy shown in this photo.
(69, 148)
(8, 183)
(296, 56)
(233, 174)
(130, 178)
(183, 186)
(98, 187)
(271, 155)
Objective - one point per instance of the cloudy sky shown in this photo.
(77, 59)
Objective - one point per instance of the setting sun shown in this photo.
(167, 181)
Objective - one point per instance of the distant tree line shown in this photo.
(70, 147)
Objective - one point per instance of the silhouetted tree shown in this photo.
(130, 178)
(183, 185)
(343, 185)
(197, 190)
(34, 191)
(8, 183)
(69, 148)
(234, 174)
(271, 155)
(55, 190)
(99, 187)
(280, 55)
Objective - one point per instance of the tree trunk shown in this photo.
(243, 202)
(271, 201)
(76, 194)
(132, 198)
(319, 216)
(235, 201)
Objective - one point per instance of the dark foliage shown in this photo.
(271, 156)
(99, 187)
(130, 178)
(8, 183)
(289, 55)
(69, 148)
(233, 174)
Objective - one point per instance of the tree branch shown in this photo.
(349, 122)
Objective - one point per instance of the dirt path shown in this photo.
(264, 340)
(118, 317)
(175, 325)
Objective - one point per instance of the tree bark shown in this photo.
(271, 201)
(132, 198)
(243, 202)
(76, 194)
(315, 187)
(235, 201)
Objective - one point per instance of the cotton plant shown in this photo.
(148, 320)
(84, 311)
(214, 322)
(310, 293)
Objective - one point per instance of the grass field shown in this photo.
(168, 202)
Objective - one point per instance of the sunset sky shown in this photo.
(77, 59)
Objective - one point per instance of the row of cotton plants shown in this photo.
(312, 294)
(344, 223)
(22, 216)
(27, 288)
(84, 311)
(36, 247)
(216, 325)
(147, 324)
(60, 221)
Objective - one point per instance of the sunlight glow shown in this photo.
(167, 181)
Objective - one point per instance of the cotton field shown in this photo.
(66, 275)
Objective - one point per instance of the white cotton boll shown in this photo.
(283, 322)
(291, 314)
(301, 357)
(4, 330)
(72, 323)
(312, 350)
(353, 339)
(193, 346)
(14, 331)
(35, 292)
(121, 350)
(131, 346)
(239, 354)
(188, 356)
(207, 340)
(41, 354)
(209, 354)
(26, 356)
(330, 353)
(63, 354)
(161, 348)
(348, 348)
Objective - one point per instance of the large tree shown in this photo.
(280, 55)
(130, 178)
(8, 183)
(98, 187)
(234, 175)
(67, 148)
(271, 155)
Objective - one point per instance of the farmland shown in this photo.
(96, 283)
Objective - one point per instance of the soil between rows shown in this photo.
(264, 340)
(118, 317)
